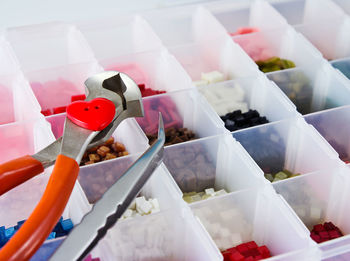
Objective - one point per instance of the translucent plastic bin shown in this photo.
(16, 100)
(319, 197)
(217, 162)
(292, 145)
(8, 63)
(51, 45)
(157, 70)
(184, 25)
(342, 65)
(313, 89)
(55, 87)
(21, 139)
(217, 54)
(181, 109)
(234, 15)
(334, 126)
(119, 36)
(307, 11)
(305, 16)
(337, 251)
(97, 178)
(252, 215)
(344, 4)
(169, 235)
(285, 43)
(335, 45)
(256, 93)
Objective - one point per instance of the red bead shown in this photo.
(142, 86)
(324, 235)
(242, 248)
(264, 251)
(46, 112)
(318, 228)
(333, 234)
(316, 238)
(58, 110)
(251, 245)
(92, 115)
(329, 226)
(227, 255)
(78, 97)
(236, 257)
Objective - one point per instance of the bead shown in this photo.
(106, 151)
(237, 120)
(245, 30)
(140, 207)
(62, 228)
(78, 97)
(213, 77)
(321, 233)
(246, 251)
(58, 110)
(274, 64)
(200, 83)
(193, 196)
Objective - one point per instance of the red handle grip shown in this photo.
(46, 214)
(15, 172)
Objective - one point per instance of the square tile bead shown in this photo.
(321, 233)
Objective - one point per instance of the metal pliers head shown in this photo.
(113, 91)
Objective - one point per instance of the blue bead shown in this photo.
(20, 223)
(3, 238)
(9, 232)
(67, 225)
(52, 235)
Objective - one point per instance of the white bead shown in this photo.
(196, 198)
(200, 83)
(139, 201)
(155, 204)
(213, 77)
(210, 191)
(127, 213)
(144, 208)
(220, 192)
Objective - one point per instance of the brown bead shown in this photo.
(118, 147)
(89, 162)
(93, 149)
(110, 156)
(110, 141)
(103, 150)
(94, 157)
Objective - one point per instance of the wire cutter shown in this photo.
(111, 98)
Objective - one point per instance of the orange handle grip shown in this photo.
(46, 214)
(15, 172)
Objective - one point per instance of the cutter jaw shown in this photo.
(128, 105)
(114, 86)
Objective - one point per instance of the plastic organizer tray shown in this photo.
(42, 66)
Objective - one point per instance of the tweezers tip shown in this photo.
(161, 134)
